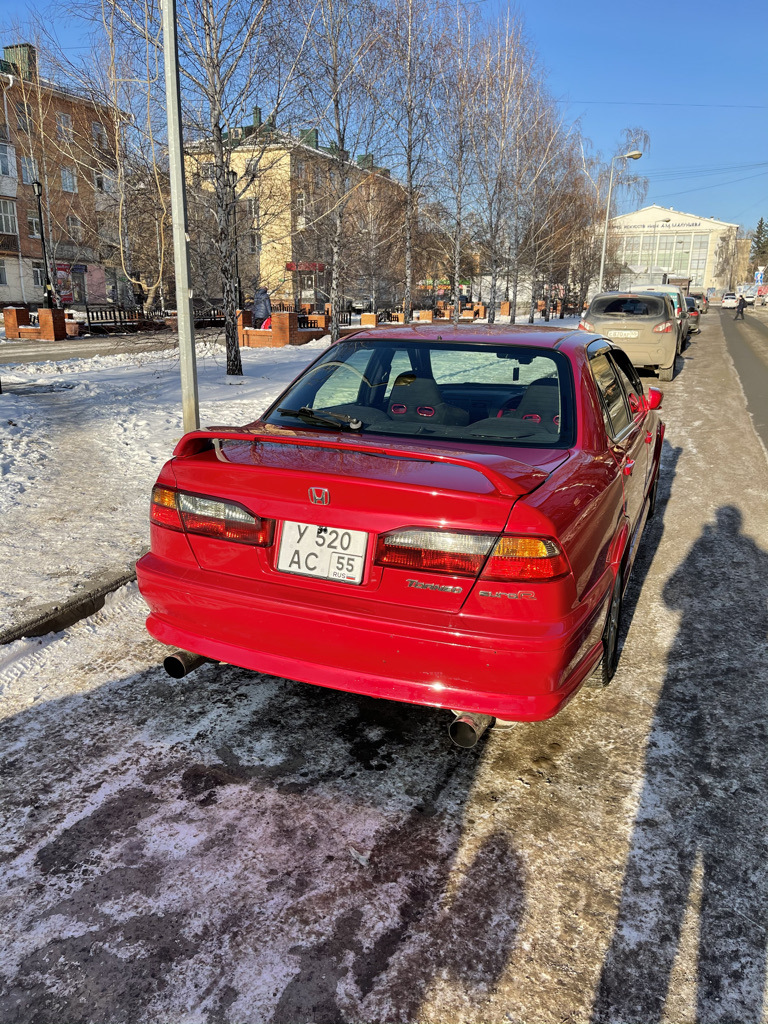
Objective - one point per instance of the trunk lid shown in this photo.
(358, 484)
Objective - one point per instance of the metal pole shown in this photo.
(605, 229)
(185, 319)
(38, 190)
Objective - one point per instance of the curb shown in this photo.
(63, 615)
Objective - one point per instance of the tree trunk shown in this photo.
(492, 297)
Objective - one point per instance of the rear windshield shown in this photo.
(489, 394)
(632, 305)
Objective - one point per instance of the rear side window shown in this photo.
(632, 305)
(612, 394)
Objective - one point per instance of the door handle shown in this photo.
(648, 437)
(629, 465)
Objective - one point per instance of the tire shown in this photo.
(666, 373)
(606, 669)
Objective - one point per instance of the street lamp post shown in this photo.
(633, 154)
(48, 300)
(233, 209)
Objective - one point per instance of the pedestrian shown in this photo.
(262, 307)
(741, 305)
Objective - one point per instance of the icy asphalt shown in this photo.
(240, 848)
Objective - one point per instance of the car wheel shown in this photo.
(666, 373)
(606, 669)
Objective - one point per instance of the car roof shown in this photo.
(491, 334)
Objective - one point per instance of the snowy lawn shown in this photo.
(81, 443)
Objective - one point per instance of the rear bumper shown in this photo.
(522, 681)
(647, 352)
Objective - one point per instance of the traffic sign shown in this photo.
(758, 277)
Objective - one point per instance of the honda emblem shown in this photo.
(319, 496)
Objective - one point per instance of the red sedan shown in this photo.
(445, 516)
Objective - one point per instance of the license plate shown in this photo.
(623, 334)
(322, 551)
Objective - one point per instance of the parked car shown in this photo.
(644, 324)
(693, 313)
(702, 301)
(442, 515)
(750, 296)
(681, 310)
(730, 301)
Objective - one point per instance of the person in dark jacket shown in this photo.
(741, 305)
(262, 307)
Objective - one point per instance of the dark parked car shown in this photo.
(702, 302)
(693, 313)
(444, 516)
(644, 324)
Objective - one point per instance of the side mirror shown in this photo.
(655, 396)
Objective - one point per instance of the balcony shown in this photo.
(8, 185)
(9, 243)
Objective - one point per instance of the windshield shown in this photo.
(490, 394)
(628, 305)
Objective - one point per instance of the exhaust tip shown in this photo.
(467, 728)
(181, 663)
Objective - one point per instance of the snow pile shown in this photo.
(81, 443)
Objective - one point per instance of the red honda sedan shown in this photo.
(438, 515)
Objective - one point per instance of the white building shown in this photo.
(658, 240)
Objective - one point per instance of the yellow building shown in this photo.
(287, 192)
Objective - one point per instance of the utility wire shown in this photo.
(717, 184)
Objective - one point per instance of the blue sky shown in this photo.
(692, 77)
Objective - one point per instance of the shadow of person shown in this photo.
(704, 799)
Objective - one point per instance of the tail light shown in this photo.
(209, 517)
(460, 554)
(664, 328)
(512, 558)
(517, 559)
(585, 325)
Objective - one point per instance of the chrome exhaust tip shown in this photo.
(181, 663)
(467, 728)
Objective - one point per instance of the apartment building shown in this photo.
(66, 141)
(287, 191)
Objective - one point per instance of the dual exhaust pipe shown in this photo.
(465, 730)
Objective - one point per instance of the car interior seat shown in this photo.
(418, 399)
(541, 403)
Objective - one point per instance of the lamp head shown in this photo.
(37, 188)
(633, 154)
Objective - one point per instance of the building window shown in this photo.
(208, 171)
(99, 133)
(98, 181)
(28, 169)
(254, 242)
(8, 224)
(38, 275)
(301, 204)
(3, 275)
(7, 161)
(23, 116)
(33, 224)
(75, 228)
(64, 127)
(68, 179)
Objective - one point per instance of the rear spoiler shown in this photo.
(202, 440)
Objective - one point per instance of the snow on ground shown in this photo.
(81, 443)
